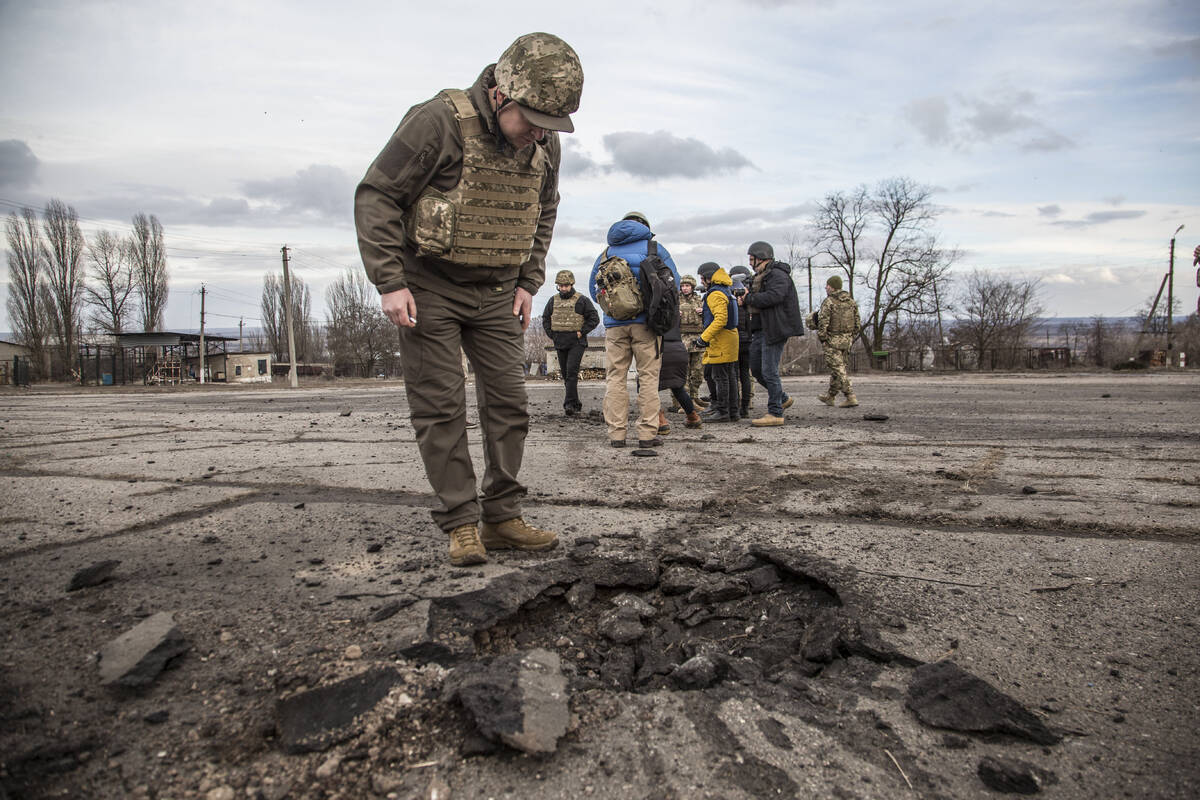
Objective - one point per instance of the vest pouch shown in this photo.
(433, 223)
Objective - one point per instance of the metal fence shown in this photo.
(14, 372)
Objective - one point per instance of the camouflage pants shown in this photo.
(695, 372)
(835, 362)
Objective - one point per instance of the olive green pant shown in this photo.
(493, 341)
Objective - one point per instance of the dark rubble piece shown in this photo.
(519, 699)
(319, 718)
(136, 657)
(93, 575)
(1013, 776)
(944, 695)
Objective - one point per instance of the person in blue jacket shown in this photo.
(630, 340)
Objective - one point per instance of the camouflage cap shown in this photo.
(688, 279)
(638, 217)
(542, 74)
(565, 278)
(835, 281)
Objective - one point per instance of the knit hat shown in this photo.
(835, 281)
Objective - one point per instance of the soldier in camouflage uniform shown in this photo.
(454, 220)
(568, 319)
(837, 325)
(691, 323)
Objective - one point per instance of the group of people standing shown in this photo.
(454, 219)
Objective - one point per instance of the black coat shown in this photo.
(775, 307)
(673, 372)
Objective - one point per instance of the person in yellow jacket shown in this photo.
(720, 341)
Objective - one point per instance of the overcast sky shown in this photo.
(1062, 139)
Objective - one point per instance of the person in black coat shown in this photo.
(774, 318)
(741, 278)
(567, 319)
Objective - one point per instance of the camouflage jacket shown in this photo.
(838, 320)
(427, 150)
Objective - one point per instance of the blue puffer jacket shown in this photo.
(629, 239)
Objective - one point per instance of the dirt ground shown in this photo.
(1039, 530)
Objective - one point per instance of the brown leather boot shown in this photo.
(664, 427)
(465, 547)
(693, 420)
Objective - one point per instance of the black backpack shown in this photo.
(660, 294)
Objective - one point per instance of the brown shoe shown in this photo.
(664, 427)
(465, 547)
(827, 399)
(516, 534)
(851, 401)
(788, 403)
(693, 420)
(767, 421)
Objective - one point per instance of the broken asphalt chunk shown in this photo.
(319, 718)
(136, 657)
(93, 575)
(944, 695)
(519, 699)
(1013, 776)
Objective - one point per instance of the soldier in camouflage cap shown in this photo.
(837, 325)
(454, 221)
(568, 319)
(690, 325)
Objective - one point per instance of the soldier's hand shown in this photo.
(522, 305)
(400, 307)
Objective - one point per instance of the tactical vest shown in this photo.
(490, 217)
(842, 315)
(690, 320)
(564, 317)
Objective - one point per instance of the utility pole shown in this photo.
(287, 310)
(203, 291)
(241, 322)
(938, 304)
(810, 284)
(1171, 295)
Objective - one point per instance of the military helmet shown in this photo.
(541, 73)
(761, 250)
(740, 270)
(565, 277)
(707, 269)
(637, 216)
(688, 279)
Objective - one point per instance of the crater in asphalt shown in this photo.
(672, 619)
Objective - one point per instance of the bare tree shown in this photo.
(274, 317)
(64, 278)
(1154, 317)
(907, 263)
(28, 296)
(998, 312)
(359, 335)
(149, 258)
(838, 228)
(112, 281)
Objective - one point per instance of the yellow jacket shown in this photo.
(722, 342)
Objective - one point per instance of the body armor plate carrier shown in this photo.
(564, 317)
(489, 219)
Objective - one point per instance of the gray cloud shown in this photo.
(1099, 218)
(663, 155)
(965, 121)
(318, 190)
(931, 117)
(575, 161)
(1189, 48)
(1114, 200)
(1053, 210)
(18, 164)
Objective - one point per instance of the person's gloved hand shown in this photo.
(700, 342)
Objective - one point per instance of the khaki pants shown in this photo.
(492, 340)
(623, 345)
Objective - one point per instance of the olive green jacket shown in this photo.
(426, 150)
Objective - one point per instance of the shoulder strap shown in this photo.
(468, 118)
(651, 248)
